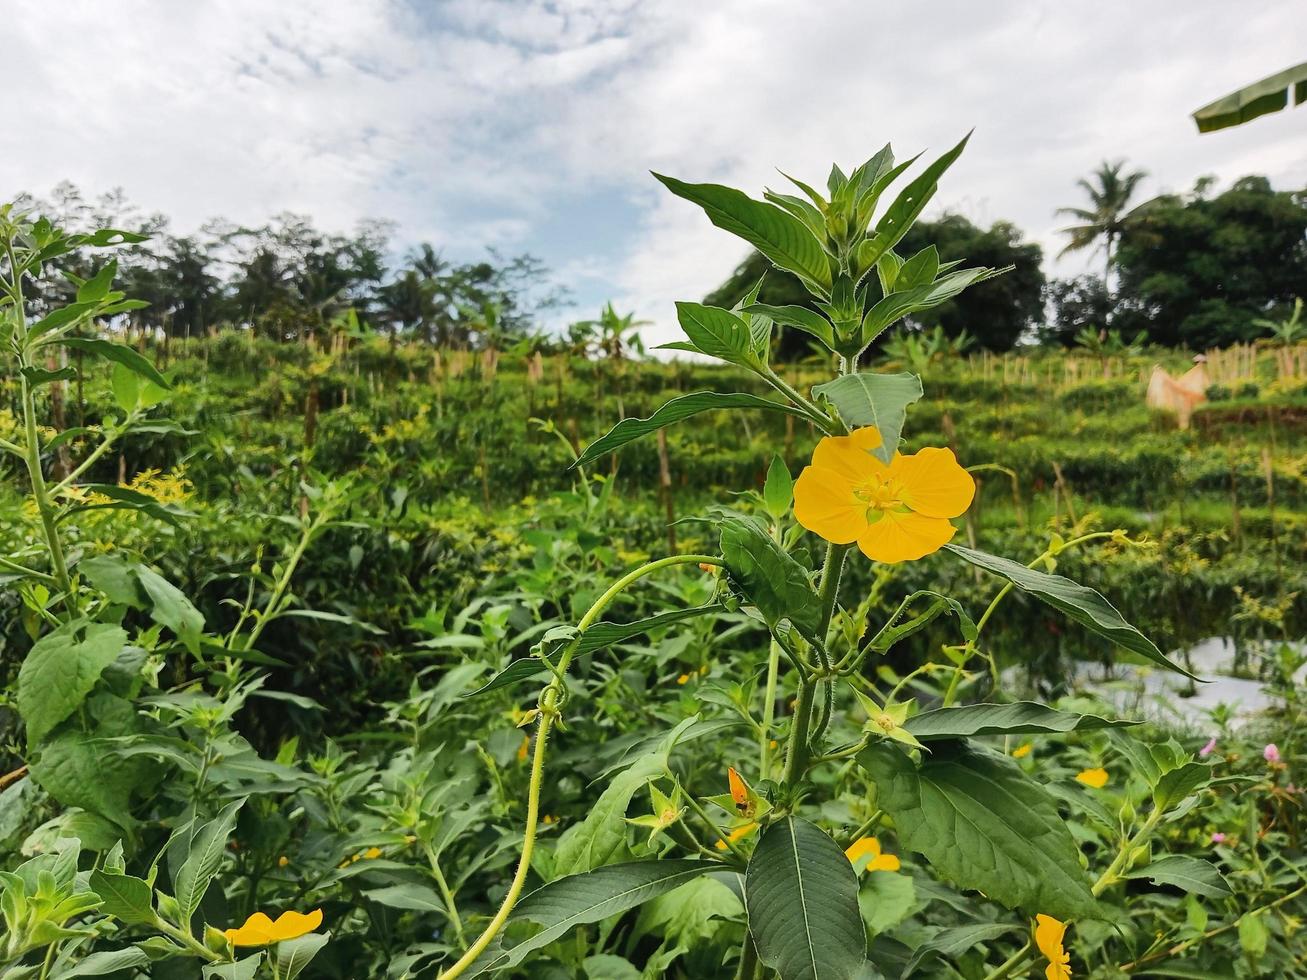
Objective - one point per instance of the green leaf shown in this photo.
(628, 430)
(125, 498)
(562, 905)
(778, 489)
(119, 354)
(716, 332)
(125, 897)
(772, 580)
(203, 859)
(907, 207)
(61, 669)
(881, 400)
(780, 236)
(96, 288)
(131, 391)
(886, 899)
(77, 771)
(802, 898)
(800, 317)
(1081, 603)
(408, 895)
(983, 824)
(246, 969)
(596, 637)
(1189, 874)
(108, 961)
(601, 837)
(170, 607)
(1179, 783)
(293, 955)
(953, 942)
(1020, 718)
(905, 302)
(1270, 94)
(115, 578)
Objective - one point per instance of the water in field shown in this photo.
(1163, 696)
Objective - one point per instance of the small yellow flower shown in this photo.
(869, 846)
(895, 512)
(548, 819)
(1021, 751)
(259, 930)
(740, 832)
(523, 749)
(283, 861)
(1049, 933)
(683, 679)
(739, 791)
(1095, 778)
(372, 853)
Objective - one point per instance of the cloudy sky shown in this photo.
(532, 126)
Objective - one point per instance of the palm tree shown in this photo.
(1109, 214)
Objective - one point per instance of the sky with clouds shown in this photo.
(533, 126)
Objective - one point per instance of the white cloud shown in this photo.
(463, 121)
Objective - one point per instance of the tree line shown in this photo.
(1198, 269)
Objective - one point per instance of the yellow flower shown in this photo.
(684, 678)
(864, 846)
(1021, 751)
(1049, 933)
(1096, 778)
(372, 853)
(739, 791)
(523, 749)
(259, 930)
(283, 861)
(744, 830)
(896, 512)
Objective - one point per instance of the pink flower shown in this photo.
(1208, 749)
(1218, 838)
(1271, 754)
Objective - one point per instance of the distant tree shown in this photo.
(1076, 304)
(1199, 270)
(1109, 213)
(996, 313)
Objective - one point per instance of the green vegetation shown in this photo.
(379, 633)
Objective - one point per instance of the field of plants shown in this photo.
(358, 657)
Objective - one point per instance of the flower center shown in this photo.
(880, 495)
(887, 723)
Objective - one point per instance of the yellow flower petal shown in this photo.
(259, 930)
(850, 456)
(739, 792)
(1049, 935)
(934, 485)
(861, 848)
(1097, 778)
(744, 830)
(683, 679)
(884, 862)
(1021, 751)
(825, 505)
(904, 537)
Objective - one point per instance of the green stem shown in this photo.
(23, 570)
(768, 709)
(109, 440)
(41, 495)
(445, 893)
(1011, 963)
(814, 414)
(863, 829)
(549, 713)
(186, 939)
(270, 610)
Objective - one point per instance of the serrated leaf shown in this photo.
(801, 895)
(1019, 718)
(881, 400)
(676, 410)
(61, 669)
(1189, 874)
(777, 234)
(1084, 605)
(772, 580)
(983, 824)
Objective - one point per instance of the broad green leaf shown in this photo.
(772, 580)
(1181, 782)
(905, 302)
(246, 969)
(562, 905)
(1254, 937)
(608, 966)
(115, 578)
(61, 669)
(78, 771)
(778, 489)
(628, 430)
(596, 637)
(108, 961)
(953, 942)
(1190, 874)
(690, 914)
(203, 859)
(601, 837)
(170, 607)
(802, 898)
(1020, 718)
(293, 955)
(96, 288)
(983, 824)
(800, 317)
(119, 354)
(780, 236)
(886, 899)
(131, 391)
(716, 332)
(1083, 604)
(1270, 94)
(881, 400)
(125, 498)
(124, 896)
(907, 207)
(407, 895)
